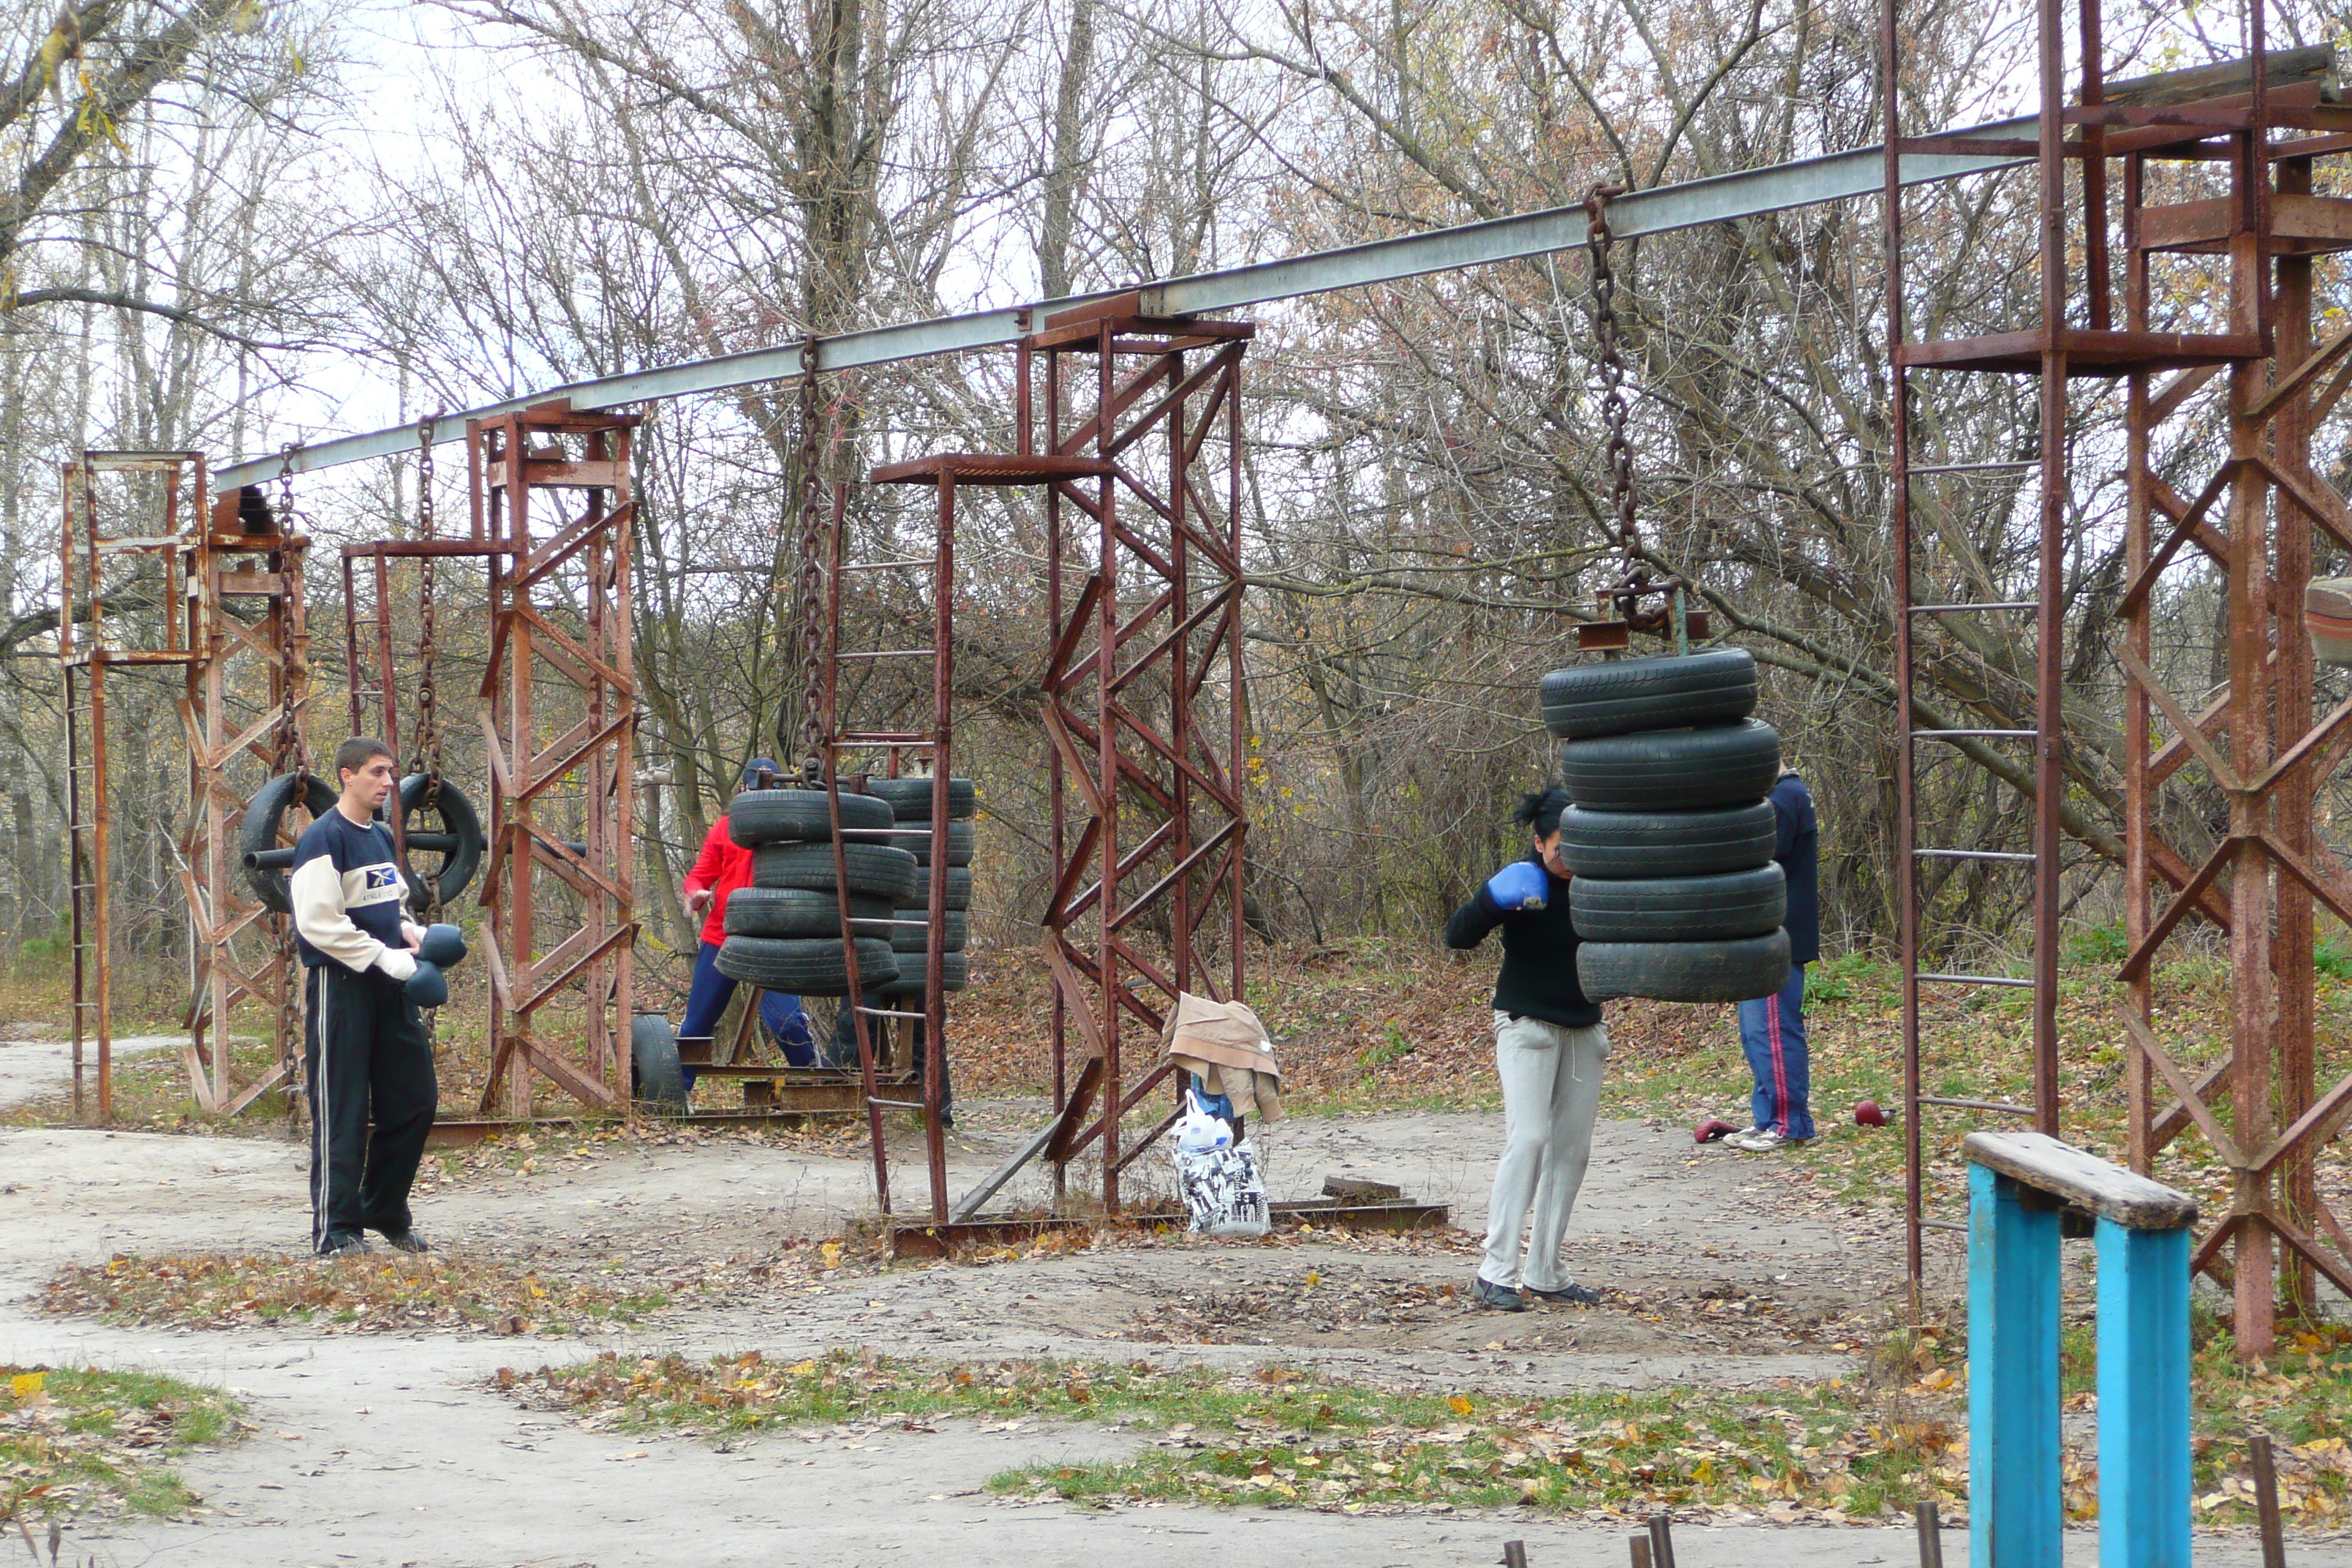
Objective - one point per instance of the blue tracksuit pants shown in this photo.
(787, 1024)
(1772, 1032)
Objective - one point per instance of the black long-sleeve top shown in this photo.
(1538, 975)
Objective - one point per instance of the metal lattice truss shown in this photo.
(1143, 688)
(559, 716)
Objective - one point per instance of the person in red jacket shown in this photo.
(721, 868)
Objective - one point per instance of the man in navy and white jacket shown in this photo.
(367, 1056)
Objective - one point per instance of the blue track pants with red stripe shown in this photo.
(1772, 1032)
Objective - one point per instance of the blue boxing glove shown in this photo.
(1519, 885)
(427, 988)
(443, 946)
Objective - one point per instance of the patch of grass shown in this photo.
(1275, 1434)
(150, 1093)
(377, 1292)
(87, 1441)
(1391, 1047)
(1846, 1449)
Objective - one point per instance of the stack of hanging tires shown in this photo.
(1675, 895)
(909, 800)
(783, 931)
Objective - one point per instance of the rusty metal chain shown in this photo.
(287, 750)
(1597, 239)
(288, 754)
(426, 731)
(810, 585)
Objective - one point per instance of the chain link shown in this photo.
(426, 731)
(289, 754)
(287, 750)
(1597, 240)
(815, 537)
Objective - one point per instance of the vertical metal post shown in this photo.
(2139, 548)
(2251, 989)
(1107, 725)
(1899, 500)
(2049, 717)
(935, 995)
(2015, 1519)
(1056, 800)
(2144, 1454)
(2291, 795)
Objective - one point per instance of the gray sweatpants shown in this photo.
(1551, 1092)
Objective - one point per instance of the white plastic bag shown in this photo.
(1199, 1131)
(1223, 1190)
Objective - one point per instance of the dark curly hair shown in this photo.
(1540, 810)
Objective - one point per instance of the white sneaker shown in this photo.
(1765, 1141)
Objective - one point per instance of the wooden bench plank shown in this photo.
(2045, 1164)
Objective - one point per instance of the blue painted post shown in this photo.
(2144, 1480)
(2015, 1514)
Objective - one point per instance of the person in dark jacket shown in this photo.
(1549, 1048)
(1773, 1029)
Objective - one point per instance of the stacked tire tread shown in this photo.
(784, 932)
(1675, 895)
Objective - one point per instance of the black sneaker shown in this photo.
(1497, 1298)
(405, 1241)
(1568, 1295)
(342, 1243)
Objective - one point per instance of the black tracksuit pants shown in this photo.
(369, 1063)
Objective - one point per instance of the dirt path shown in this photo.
(385, 1449)
(31, 1068)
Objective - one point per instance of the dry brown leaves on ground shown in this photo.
(374, 1293)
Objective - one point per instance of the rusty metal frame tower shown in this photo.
(246, 555)
(1144, 692)
(2264, 121)
(560, 717)
(247, 682)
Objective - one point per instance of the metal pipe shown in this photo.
(1662, 209)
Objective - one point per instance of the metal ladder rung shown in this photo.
(1958, 1103)
(1974, 855)
(881, 565)
(1960, 1225)
(1976, 468)
(893, 653)
(895, 1104)
(887, 1013)
(1979, 734)
(1978, 604)
(1975, 980)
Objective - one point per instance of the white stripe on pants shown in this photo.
(1551, 1092)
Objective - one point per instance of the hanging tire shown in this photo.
(874, 869)
(760, 816)
(805, 967)
(655, 1075)
(1684, 971)
(263, 819)
(798, 913)
(955, 974)
(917, 939)
(961, 839)
(1672, 770)
(1667, 843)
(1711, 687)
(911, 797)
(958, 893)
(1680, 909)
(458, 828)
